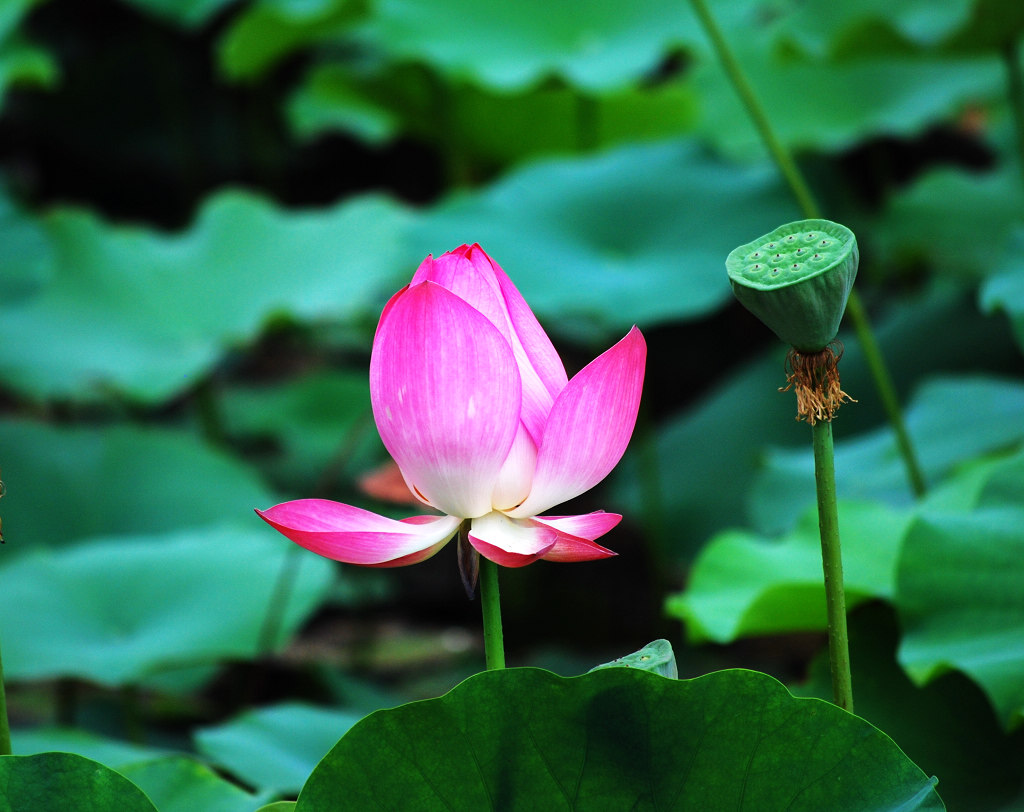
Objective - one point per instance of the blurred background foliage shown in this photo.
(204, 204)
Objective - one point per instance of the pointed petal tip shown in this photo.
(356, 536)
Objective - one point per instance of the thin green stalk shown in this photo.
(490, 602)
(809, 206)
(832, 564)
(1015, 92)
(270, 629)
(5, 726)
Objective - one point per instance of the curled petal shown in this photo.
(510, 542)
(357, 536)
(576, 535)
(589, 426)
(446, 395)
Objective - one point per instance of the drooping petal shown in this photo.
(357, 536)
(589, 426)
(446, 395)
(510, 542)
(576, 535)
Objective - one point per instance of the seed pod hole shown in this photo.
(796, 279)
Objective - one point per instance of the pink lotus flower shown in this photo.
(473, 403)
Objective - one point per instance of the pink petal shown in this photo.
(534, 342)
(589, 426)
(357, 536)
(473, 276)
(446, 393)
(516, 475)
(467, 273)
(576, 535)
(509, 542)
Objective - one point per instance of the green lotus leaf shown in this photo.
(58, 782)
(618, 738)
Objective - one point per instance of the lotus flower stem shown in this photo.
(811, 210)
(832, 564)
(5, 728)
(490, 603)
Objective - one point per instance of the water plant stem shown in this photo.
(832, 564)
(284, 585)
(5, 727)
(490, 603)
(1015, 92)
(805, 199)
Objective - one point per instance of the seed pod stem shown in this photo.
(832, 565)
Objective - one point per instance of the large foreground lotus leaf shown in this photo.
(116, 610)
(831, 106)
(947, 727)
(58, 782)
(618, 738)
(744, 585)
(960, 599)
(65, 484)
(634, 235)
(148, 313)
(275, 748)
(950, 421)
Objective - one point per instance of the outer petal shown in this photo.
(446, 395)
(576, 535)
(473, 276)
(535, 344)
(589, 426)
(357, 536)
(509, 542)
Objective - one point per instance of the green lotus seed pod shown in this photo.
(796, 279)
